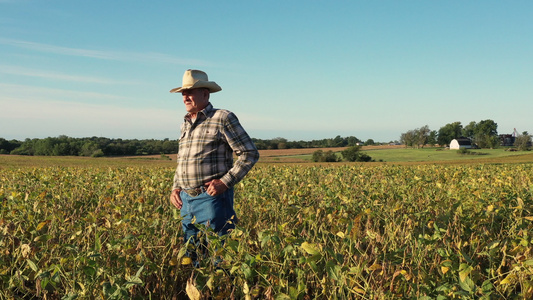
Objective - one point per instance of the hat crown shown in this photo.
(194, 79)
(193, 76)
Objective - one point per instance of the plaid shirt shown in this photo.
(206, 149)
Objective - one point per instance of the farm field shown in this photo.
(401, 155)
(446, 155)
(387, 154)
(82, 228)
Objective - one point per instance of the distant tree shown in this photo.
(422, 136)
(89, 148)
(370, 142)
(63, 149)
(276, 142)
(408, 138)
(318, 156)
(331, 156)
(260, 144)
(363, 157)
(416, 138)
(7, 146)
(296, 144)
(169, 147)
(351, 153)
(321, 156)
(469, 130)
(352, 141)
(338, 141)
(523, 142)
(449, 132)
(432, 138)
(98, 153)
(26, 148)
(354, 154)
(486, 134)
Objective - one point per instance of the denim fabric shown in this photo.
(215, 211)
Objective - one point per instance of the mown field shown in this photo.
(75, 228)
(402, 155)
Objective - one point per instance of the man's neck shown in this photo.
(193, 115)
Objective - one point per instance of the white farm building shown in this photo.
(461, 143)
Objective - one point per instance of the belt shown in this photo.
(195, 191)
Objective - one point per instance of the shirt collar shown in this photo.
(204, 111)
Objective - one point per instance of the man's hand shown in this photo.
(215, 187)
(175, 198)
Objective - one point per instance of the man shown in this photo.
(205, 175)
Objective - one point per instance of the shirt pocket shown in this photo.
(211, 135)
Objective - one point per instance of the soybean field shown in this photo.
(361, 231)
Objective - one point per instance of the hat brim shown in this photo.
(211, 85)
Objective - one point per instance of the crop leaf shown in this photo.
(192, 291)
(467, 284)
(282, 296)
(310, 248)
(32, 265)
(528, 262)
(464, 271)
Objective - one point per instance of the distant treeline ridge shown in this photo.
(101, 146)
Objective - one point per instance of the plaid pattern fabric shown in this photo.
(206, 148)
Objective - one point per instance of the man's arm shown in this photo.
(242, 145)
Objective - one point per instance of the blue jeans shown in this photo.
(215, 211)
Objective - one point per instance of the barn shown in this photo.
(461, 143)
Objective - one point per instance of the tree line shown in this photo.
(101, 146)
(484, 134)
(282, 143)
(89, 146)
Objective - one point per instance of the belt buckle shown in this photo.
(195, 192)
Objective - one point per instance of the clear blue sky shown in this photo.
(301, 70)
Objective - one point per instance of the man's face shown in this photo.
(195, 100)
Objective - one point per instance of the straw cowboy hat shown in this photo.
(194, 79)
